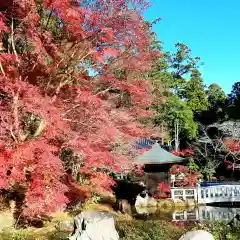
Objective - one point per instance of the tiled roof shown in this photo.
(157, 155)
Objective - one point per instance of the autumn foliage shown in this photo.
(184, 176)
(232, 145)
(70, 77)
(163, 190)
(183, 153)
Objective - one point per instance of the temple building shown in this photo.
(157, 163)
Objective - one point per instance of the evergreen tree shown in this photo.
(195, 94)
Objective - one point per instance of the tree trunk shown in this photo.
(176, 136)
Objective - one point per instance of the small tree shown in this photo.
(209, 153)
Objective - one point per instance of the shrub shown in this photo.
(148, 230)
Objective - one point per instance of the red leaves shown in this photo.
(163, 190)
(3, 26)
(164, 187)
(177, 169)
(7, 58)
(43, 200)
(232, 145)
(184, 177)
(138, 170)
(101, 182)
(183, 153)
(106, 35)
(101, 56)
(111, 52)
(5, 164)
(48, 82)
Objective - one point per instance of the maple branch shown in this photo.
(61, 84)
(75, 121)
(15, 114)
(2, 70)
(68, 111)
(86, 38)
(72, 57)
(103, 91)
(12, 41)
(12, 134)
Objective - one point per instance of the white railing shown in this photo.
(184, 193)
(204, 195)
(220, 193)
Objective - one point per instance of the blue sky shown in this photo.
(211, 28)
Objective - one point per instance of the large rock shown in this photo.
(95, 225)
(197, 235)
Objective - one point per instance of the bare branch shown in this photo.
(68, 111)
(2, 70)
(12, 41)
(15, 113)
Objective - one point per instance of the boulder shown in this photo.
(197, 235)
(95, 225)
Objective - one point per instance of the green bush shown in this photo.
(14, 235)
(221, 231)
(148, 230)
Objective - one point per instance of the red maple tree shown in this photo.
(183, 153)
(163, 190)
(75, 66)
(188, 178)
